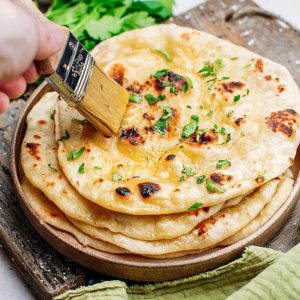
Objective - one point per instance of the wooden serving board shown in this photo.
(46, 271)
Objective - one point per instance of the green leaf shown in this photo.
(81, 169)
(173, 90)
(159, 74)
(188, 171)
(200, 179)
(74, 154)
(152, 99)
(97, 168)
(181, 178)
(162, 124)
(236, 98)
(137, 20)
(65, 137)
(189, 129)
(217, 130)
(223, 162)
(52, 116)
(116, 177)
(83, 122)
(135, 98)
(166, 83)
(210, 113)
(165, 54)
(211, 187)
(189, 81)
(195, 118)
(228, 139)
(52, 168)
(195, 206)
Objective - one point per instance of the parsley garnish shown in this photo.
(52, 168)
(200, 179)
(152, 100)
(162, 124)
(211, 87)
(135, 98)
(243, 133)
(228, 139)
(225, 77)
(165, 54)
(234, 58)
(181, 178)
(173, 90)
(82, 122)
(65, 137)
(116, 177)
(81, 169)
(211, 187)
(188, 82)
(190, 128)
(159, 74)
(97, 168)
(247, 92)
(210, 113)
(199, 132)
(236, 98)
(201, 107)
(247, 66)
(74, 154)
(188, 171)
(188, 106)
(166, 83)
(223, 162)
(229, 114)
(217, 130)
(212, 80)
(52, 116)
(195, 206)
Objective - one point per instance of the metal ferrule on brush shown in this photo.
(73, 72)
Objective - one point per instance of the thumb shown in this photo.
(51, 38)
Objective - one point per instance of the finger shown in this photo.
(31, 75)
(51, 39)
(13, 88)
(4, 102)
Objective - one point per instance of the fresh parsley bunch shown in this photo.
(93, 21)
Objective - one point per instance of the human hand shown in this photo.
(23, 39)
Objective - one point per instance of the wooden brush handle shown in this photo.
(48, 66)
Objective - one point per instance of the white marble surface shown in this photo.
(11, 285)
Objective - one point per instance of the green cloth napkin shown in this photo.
(260, 273)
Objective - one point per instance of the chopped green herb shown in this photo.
(52, 116)
(242, 133)
(166, 83)
(229, 114)
(173, 90)
(202, 131)
(181, 178)
(159, 74)
(188, 171)
(181, 146)
(189, 81)
(82, 122)
(219, 63)
(116, 177)
(195, 206)
(189, 129)
(178, 77)
(212, 80)
(211, 187)
(165, 54)
(236, 98)
(195, 118)
(234, 58)
(217, 130)
(81, 169)
(188, 106)
(135, 98)
(225, 77)
(52, 168)
(228, 139)
(223, 162)
(262, 174)
(211, 87)
(247, 92)
(210, 113)
(247, 66)
(201, 107)
(185, 87)
(97, 168)
(74, 154)
(162, 124)
(65, 137)
(200, 179)
(210, 69)
(152, 100)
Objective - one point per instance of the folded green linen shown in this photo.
(229, 280)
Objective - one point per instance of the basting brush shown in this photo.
(72, 73)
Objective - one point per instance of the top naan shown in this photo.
(242, 112)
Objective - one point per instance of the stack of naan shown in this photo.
(202, 157)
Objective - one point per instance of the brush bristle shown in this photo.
(104, 103)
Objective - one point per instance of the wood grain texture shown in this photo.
(48, 273)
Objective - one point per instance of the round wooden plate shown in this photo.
(134, 267)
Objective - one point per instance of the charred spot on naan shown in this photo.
(117, 73)
(198, 210)
(268, 77)
(34, 150)
(240, 121)
(230, 87)
(123, 191)
(147, 189)
(283, 121)
(220, 178)
(170, 157)
(42, 122)
(209, 137)
(133, 136)
(281, 88)
(259, 65)
(36, 136)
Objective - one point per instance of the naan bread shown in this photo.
(284, 189)
(51, 215)
(255, 100)
(39, 149)
(208, 233)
